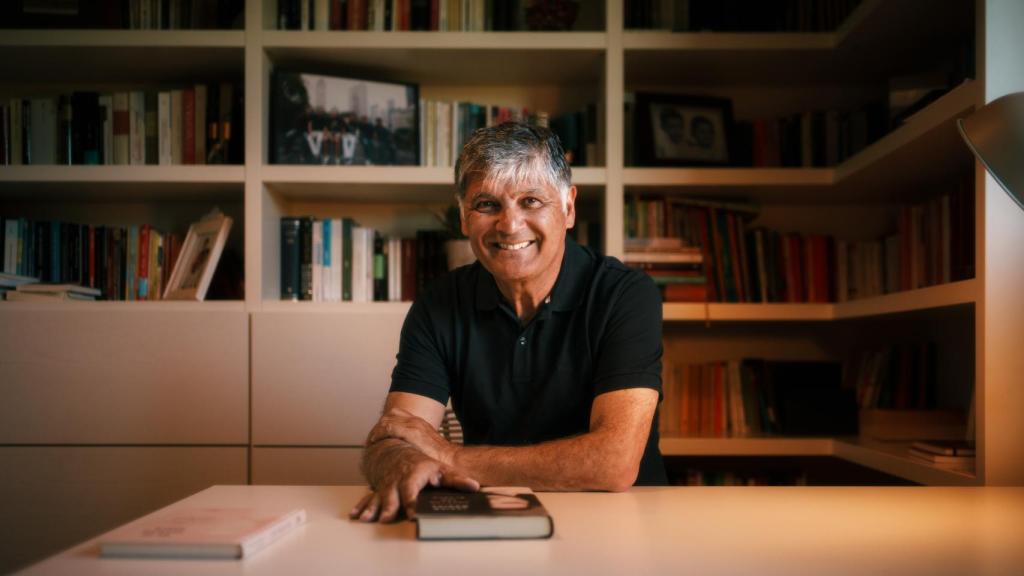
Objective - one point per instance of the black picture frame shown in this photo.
(681, 130)
(340, 120)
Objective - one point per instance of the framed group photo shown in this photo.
(334, 120)
(677, 130)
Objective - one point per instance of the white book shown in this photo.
(44, 130)
(177, 115)
(394, 269)
(360, 264)
(336, 260)
(106, 102)
(200, 533)
(321, 14)
(164, 121)
(137, 128)
(370, 235)
(304, 14)
(318, 260)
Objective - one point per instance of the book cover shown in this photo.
(201, 533)
(492, 513)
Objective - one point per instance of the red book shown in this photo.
(718, 250)
(433, 14)
(408, 269)
(337, 20)
(738, 264)
(685, 292)
(188, 127)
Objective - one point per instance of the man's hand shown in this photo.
(404, 425)
(406, 474)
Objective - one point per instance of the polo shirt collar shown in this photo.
(568, 290)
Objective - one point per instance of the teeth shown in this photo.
(518, 246)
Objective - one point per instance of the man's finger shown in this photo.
(358, 508)
(410, 489)
(369, 513)
(389, 504)
(459, 481)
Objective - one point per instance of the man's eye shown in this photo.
(485, 206)
(531, 202)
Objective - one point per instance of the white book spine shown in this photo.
(394, 269)
(371, 234)
(358, 264)
(164, 120)
(137, 128)
(321, 14)
(44, 131)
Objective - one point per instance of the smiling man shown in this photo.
(550, 353)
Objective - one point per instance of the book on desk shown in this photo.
(492, 513)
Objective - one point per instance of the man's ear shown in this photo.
(462, 217)
(570, 208)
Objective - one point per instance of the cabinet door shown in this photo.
(109, 374)
(320, 378)
(54, 497)
(307, 466)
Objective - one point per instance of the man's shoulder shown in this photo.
(450, 288)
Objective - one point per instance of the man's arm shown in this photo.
(396, 470)
(607, 457)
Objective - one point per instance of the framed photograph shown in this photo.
(318, 119)
(674, 130)
(198, 259)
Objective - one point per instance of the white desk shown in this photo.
(784, 530)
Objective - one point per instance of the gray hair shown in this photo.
(514, 154)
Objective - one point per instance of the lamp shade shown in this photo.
(995, 133)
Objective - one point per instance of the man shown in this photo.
(551, 354)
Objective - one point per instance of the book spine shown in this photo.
(165, 120)
(290, 258)
(122, 129)
(188, 126)
(346, 259)
(306, 259)
(137, 128)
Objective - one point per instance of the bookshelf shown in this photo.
(310, 365)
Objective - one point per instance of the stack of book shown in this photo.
(191, 125)
(123, 263)
(10, 282)
(337, 260)
(952, 454)
(52, 292)
(676, 268)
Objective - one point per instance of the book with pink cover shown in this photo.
(200, 533)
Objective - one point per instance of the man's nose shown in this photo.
(510, 220)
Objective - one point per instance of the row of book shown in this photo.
(337, 260)
(130, 14)
(755, 397)
(445, 126)
(715, 242)
(401, 15)
(896, 377)
(121, 262)
(676, 268)
(738, 15)
(193, 125)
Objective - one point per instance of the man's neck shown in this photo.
(527, 296)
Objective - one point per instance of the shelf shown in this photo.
(385, 183)
(377, 308)
(713, 311)
(122, 306)
(677, 446)
(102, 57)
(940, 296)
(878, 40)
(445, 58)
(764, 184)
(121, 182)
(892, 458)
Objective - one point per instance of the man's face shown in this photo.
(518, 233)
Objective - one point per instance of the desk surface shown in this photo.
(714, 530)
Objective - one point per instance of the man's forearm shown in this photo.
(585, 462)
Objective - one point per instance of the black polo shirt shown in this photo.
(599, 331)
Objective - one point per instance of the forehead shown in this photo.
(506, 189)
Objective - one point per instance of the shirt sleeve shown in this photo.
(629, 350)
(420, 367)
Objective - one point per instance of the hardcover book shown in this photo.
(492, 513)
(200, 533)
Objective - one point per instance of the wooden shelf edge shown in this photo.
(891, 459)
(717, 311)
(731, 41)
(678, 446)
(728, 176)
(230, 174)
(278, 306)
(940, 296)
(289, 174)
(422, 40)
(123, 38)
(106, 306)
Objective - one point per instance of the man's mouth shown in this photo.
(513, 246)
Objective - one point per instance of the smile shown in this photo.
(517, 246)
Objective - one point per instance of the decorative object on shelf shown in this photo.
(551, 15)
(319, 119)
(199, 256)
(677, 130)
(995, 134)
(457, 248)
